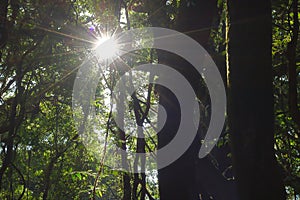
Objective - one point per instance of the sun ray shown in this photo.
(64, 34)
(59, 54)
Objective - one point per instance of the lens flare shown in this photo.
(106, 48)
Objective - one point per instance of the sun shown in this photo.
(106, 47)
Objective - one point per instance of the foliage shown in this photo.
(286, 127)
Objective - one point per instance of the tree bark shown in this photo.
(188, 176)
(251, 112)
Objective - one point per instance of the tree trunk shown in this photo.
(185, 178)
(189, 177)
(122, 145)
(251, 114)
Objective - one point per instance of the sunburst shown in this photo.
(106, 47)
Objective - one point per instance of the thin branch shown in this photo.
(23, 180)
(103, 156)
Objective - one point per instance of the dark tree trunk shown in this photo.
(122, 144)
(188, 177)
(251, 117)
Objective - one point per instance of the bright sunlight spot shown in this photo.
(106, 47)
